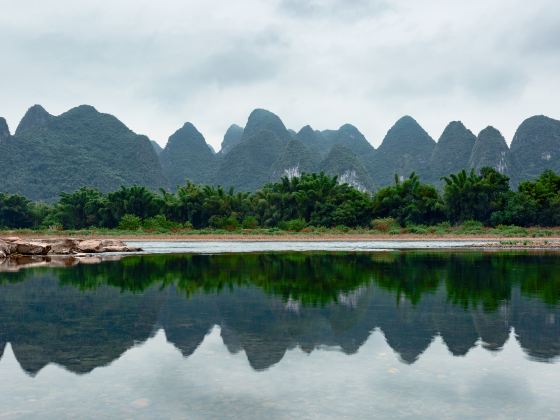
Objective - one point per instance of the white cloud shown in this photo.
(156, 65)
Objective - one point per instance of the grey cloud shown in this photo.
(243, 62)
(478, 81)
(543, 38)
(324, 62)
(345, 9)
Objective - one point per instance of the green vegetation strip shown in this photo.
(470, 204)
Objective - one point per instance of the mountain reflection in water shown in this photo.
(86, 316)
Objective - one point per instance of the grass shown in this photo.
(384, 228)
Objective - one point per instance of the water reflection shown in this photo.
(86, 316)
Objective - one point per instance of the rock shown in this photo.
(111, 242)
(64, 247)
(116, 249)
(4, 249)
(31, 248)
(110, 245)
(90, 246)
(11, 239)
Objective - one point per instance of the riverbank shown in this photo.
(286, 237)
(57, 257)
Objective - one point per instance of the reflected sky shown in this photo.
(318, 335)
(154, 380)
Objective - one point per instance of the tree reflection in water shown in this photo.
(86, 316)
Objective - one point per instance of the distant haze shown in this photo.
(156, 65)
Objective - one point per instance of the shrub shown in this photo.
(294, 225)
(542, 232)
(228, 223)
(160, 223)
(419, 229)
(508, 230)
(383, 224)
(250, 222)
(471, 226)
(130, 222)
(216, 222)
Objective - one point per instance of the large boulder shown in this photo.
(64, 247)
(104, 245)
(30, 248)
(111, 245)
(90, 246)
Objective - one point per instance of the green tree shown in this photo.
(469, 196)
(409, 202)
(135, 200)
(535, 203)
(81, 209)
(16, 211)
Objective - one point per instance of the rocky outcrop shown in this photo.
(345, 164)
(10, 247)
(294, 160)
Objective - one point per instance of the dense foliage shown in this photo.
(297, 203)
(475, 197)
(409, 202)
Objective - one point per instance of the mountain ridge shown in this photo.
(50, 154)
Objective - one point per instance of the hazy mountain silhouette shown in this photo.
(490, 149)
(405, 149)
(82, 147)
(187, 156)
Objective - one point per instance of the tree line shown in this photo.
(310, 200)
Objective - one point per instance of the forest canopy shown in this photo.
(309, 200)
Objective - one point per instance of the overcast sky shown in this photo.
(157, 64)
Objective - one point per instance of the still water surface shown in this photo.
(284, 335)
